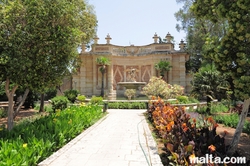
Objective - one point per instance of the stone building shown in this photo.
(123, 59)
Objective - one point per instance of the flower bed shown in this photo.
(185, 137)
(32, 141)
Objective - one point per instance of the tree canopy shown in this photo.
(231, 52)
(39, 40)
(197, 30)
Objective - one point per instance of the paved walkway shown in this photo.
(122, 138)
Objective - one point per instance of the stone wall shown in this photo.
(123, 58)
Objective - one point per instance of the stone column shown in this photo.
(111, 91)
(170, 72)
(94, 76)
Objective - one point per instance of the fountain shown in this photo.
(131, 83)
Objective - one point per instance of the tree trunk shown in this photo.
(209, 100)
(10, 95)
(102, 88)
(21, 103)
(234, 144)
(41, 109)
(10, 122)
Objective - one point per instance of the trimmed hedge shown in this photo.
(127, 105)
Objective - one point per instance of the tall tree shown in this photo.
(39, 41)
(103, 62)
(196, 30)
(231, 53)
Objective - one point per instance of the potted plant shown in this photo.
(130, 93)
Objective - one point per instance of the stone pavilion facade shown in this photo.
(123, 59)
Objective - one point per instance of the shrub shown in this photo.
(81, 98)
(71, 94)
(59, 102)
(193, 100)
(96, 100)
(130, 93)
(183, 136)
(220, 107)
(158, 87)
(182, 99)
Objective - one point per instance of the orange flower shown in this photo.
(185, 129)
(210, 119)
(194, 120)
(184, 125)
(169, 127)
(212, 148)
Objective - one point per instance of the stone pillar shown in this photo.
(182, 70)
(96, 38)
(169, 38)
(108, 38)
(94, 77)
(155, 37)
(170, 72)
(111, 93)
(182, 45)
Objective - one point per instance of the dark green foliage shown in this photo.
(3, 96)
(50, 93)
(96, 100)
(30, 100)
(127, 105)
(71, 95)
(59, 103)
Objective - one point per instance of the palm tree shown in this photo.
(103, 61)
(209, 82)
(163, 67)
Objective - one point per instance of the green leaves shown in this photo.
(163, 67)
(234, 47)
(30, 142)
(42, 36)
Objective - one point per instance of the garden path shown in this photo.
(122, 138)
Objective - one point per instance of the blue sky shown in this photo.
(136, 21)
